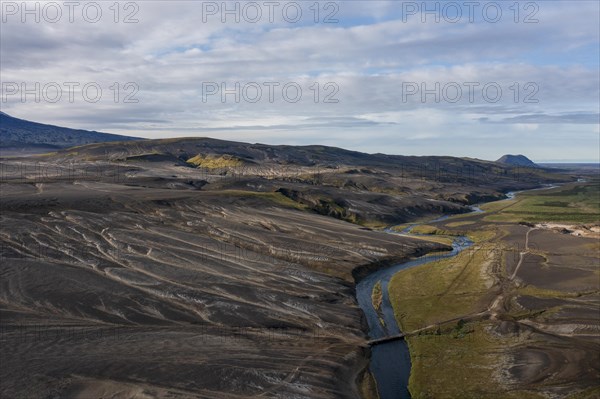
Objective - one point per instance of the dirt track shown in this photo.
(559, 336)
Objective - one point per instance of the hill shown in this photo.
(354, 186)
(517, 160)
(210, 153)
(22, 136)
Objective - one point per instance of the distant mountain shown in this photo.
(22, 136)
(517, 160)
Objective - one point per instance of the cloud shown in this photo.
(535, 119)
(372, 55)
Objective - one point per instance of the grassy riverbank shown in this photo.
(479, 310)
(456, 357)
(573, 203)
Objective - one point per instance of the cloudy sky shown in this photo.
(477, 79)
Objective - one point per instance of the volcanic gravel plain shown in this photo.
(129, 272)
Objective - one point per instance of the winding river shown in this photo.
(390, 361)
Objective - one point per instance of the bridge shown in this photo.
(465, 318)
(386, 339)
(396, 337)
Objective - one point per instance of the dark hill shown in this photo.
(22, 136)
(517, 160)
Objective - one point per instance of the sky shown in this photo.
(477, 79)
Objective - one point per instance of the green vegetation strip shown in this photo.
(458, 359)
(461, 358)
(572, 203)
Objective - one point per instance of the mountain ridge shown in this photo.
(23, 136)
